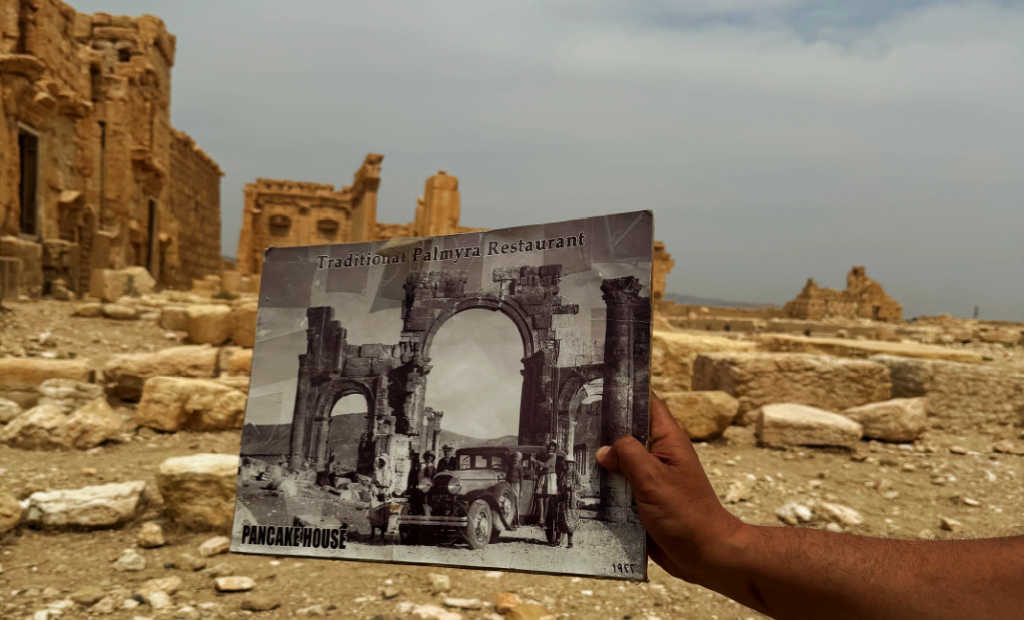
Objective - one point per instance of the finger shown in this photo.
(606, 458)
(632, 460)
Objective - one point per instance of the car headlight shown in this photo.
(454, 486)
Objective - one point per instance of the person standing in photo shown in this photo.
(547, 482)
(448, 462)
(567, 514)
(514, 477)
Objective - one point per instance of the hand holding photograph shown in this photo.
(440, 400)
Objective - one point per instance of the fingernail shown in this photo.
(601, 452)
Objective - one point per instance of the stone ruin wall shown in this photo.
(90, 94)
(195, 202)
(863, 298)
(286, 213)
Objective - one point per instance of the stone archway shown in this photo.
(392, 377)
(529, 296)
(319, 432)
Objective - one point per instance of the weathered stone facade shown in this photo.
(392, 377)
(863, 299)
(286, 213)
(92, 175)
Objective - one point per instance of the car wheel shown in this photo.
(507, 502)
(478, 530)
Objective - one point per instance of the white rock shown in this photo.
(214, 546)
(130, 561)
(793, 513)
(439, 582)
(234, 583)
(838, 513)
(428, 612)
(463, 603)
(100, 506)
(151, 535)
(790, 424)
(739, 490)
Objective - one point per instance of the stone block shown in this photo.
(790, 424)
(109, 285)
(357, 367)
(235, 361)
(120, 312)
(864, 348)
(758, 379)
(92, 507)
(371, 350)
(139, 281)
(209, 324)
(20, 377)
(30, 254)
(703, 415)
(10, 277)
(243, 332)
(125, 374)
(965, 394)
(175, 403)
(174, 318)
(91, 425)
(231, 282)
(199, 490)
(899, 419)
(673, 354)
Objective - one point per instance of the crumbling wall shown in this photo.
(85, 104)
(663, 264)
(195, 200)
(863, 298)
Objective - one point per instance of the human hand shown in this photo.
(686, 524)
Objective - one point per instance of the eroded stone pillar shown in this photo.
(621, 295)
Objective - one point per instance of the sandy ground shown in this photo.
(900, 491)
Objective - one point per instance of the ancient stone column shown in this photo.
(621, 295)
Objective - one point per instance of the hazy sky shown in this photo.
(773, 139)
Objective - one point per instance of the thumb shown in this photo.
(628, 457)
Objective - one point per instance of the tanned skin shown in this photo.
(798, 572)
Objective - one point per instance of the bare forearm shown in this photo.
(805, 573)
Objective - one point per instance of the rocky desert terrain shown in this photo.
(120, 428)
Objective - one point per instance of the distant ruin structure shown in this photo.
(92, 174)
(863, 299)
(287, 213)
(663, 264)
(280, 213)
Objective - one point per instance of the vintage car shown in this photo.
(474, 502)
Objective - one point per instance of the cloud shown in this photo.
(773, 140)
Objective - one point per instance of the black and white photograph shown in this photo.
(439, 400)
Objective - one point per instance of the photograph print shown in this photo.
(439, 400)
